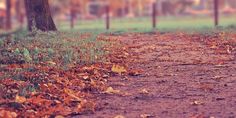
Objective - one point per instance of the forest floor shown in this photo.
(175, 75)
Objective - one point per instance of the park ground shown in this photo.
(177, 76)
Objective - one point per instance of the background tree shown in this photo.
(8, 14)
(19, 12)
(39, 15)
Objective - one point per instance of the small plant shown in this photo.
(17, 51)
(1, 43)
(50, 52)
(36, 54)
(26, 55)
(67, 58)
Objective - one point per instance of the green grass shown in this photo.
(145, 25)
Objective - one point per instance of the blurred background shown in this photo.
(84, 15)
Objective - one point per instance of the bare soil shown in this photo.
(183, 76)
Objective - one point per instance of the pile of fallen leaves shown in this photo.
(46, 89)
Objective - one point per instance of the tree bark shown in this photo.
(72, 15)
(216, 12)
(8, 14)
(39, 15)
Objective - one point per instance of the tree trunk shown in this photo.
(216, 12)
(20, 13)
(39, 15)
(8, 14)
(72, 15)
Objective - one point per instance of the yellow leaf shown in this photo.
(119, 116)
(110, 90)
(20, 99)
(118, 69)
(59, 116)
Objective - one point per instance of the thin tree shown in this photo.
(39, 15)
(72, 14)
(216, 12)
(20, 13)
(8, 14)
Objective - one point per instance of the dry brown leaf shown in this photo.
(134, 72)
(144, 91)
(51, 63)
(105, 76)
(197, 116)
(213, 46)
(85, 77)
(146, 115)
(72, 94)
(86, 106)
(197, 103)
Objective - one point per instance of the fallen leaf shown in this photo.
(217, 77)
(214, 46)
(146, 115)
(110, 90)
(119, 116)
(59, 116)
(7, 114)
(72, 94)
(197, 103)
(105, 76)
(134, 73)
(86, 106)
(118, 69)
(20, 99)
(144, 91)
(229, 49)
(197, 116)
(85, 77)
(51, 63)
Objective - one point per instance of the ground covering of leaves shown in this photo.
(174, 75)
(143, 75)
(54, 75)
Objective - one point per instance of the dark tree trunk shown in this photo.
(216, 12)
(8, 14)
(107, 17)
(72, 16)
(39, 15)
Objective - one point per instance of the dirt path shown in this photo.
(182, 78)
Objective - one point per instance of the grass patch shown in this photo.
(60, 47)
(144, 24)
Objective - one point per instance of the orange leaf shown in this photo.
(20, 99)
(7, 114)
